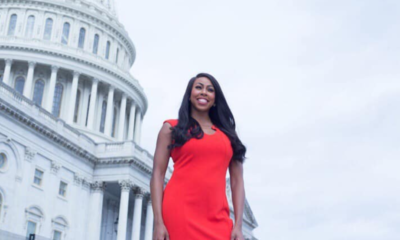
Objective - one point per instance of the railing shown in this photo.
(51, 121)
(100, 150)
(4, 235)
(125, 148)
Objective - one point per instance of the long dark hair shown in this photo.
(220, 115)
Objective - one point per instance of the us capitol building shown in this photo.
(71, 164)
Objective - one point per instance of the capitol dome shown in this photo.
(73, 58)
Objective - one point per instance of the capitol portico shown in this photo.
(71, 164)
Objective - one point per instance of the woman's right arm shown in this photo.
(160, 164)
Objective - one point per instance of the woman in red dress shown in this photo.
(203, 144)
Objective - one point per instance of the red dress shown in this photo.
(194, 205)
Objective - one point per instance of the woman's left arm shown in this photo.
(238, 197)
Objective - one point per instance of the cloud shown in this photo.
(314, 87)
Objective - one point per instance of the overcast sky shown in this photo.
(315, 90)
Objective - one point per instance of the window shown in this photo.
(38, 177)
(31, 228)
(29, 26)
(19, 84)
(47, 29)
(58, 92)
(113, 122)
(33, 218)
(65, 34)
(87, 111)
(12, 25)
(96, 43)
(38, 92)
(116, 56)
(60, 228)
(3, 161)
(78, 98)
(103, 116)
(81, 41)
(57, 235)
(108, 49)
(63, 189)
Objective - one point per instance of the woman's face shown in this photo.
(202, 96)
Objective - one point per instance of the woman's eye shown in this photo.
(198, 87)
(211, 90)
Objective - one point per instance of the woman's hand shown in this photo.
(160, 232)
(237, 234)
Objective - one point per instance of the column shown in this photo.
(137, 214)
(29, 80)
(132, 114)
(92, 106)
(96, 205)
(72, 101)
(50, 90)
(7, 71)
(122, 113)
(109, 112)
(138, 123)
(84, 110)
(148, 234)
(126, 186)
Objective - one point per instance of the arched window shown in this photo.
(60, 226)
(3, 167)
(126, 126)
(19, 84)
(29, 26)
(103, 116)
(87, 111)
(12, 25)
(113, 122)
(116, 56)
(58, 92)
(108, 49)
(34, 217)
(47, 29)
(96, 43)
(38, 92)
(78, 98)
(3, 160)
(65, 34)
(81, 41)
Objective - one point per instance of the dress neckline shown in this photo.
(212, 127)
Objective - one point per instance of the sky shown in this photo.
(314, 87)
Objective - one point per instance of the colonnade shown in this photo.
(135, 119)
(96, 211)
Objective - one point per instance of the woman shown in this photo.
(203, 143)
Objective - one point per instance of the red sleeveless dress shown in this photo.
(194, 205)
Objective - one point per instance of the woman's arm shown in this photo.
(238, 193)
(160, 164)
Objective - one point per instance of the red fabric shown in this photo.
(194, 204)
